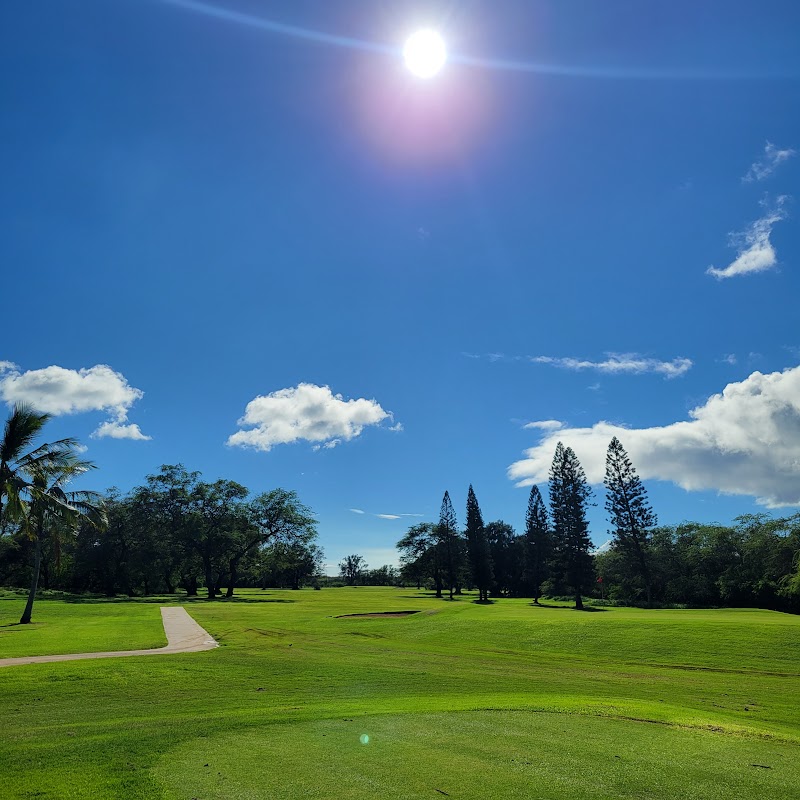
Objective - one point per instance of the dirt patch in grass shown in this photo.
(380, 614)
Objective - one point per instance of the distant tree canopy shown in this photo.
(174, 531)
(351, 569)
(755, 562)
(179, 531)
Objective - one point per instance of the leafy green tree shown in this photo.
(385, 575)
(420, 554)
(569, 496)
(291, 564)
(629, 511)
(478, 547)
(504, 555)
(162, 510)
(351, 568)
(273, 517)
(53, 511)
(217, 522)
(538, 543)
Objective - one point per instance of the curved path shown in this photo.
(184, 635)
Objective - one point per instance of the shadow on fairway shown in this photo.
(174, 599)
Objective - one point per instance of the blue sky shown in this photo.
(218, 211)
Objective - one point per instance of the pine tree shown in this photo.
(538, 544)
(448, 537)
(478, 547)
(629, 510)
(569, 496)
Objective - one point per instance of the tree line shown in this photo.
(755, 562)
(178, 531)
(174, 531)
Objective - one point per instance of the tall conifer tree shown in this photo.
(448, 536)
(629, 510)
(569, 496)
(478, 547)
(538, 544)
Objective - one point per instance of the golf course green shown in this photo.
(461, 700)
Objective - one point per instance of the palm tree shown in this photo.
(51, 508)
(16, 465)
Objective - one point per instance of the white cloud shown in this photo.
(755, 252)
(357, 511)
(744, 441)
(388, 516)
(617, 363)
(397, 427)
(306, 412)
(768, 163)
(117, 430)
(58, 391)
(730, 359)
(544, 425)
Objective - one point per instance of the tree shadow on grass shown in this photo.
(484, 602)
(162, 599)
(566, 607)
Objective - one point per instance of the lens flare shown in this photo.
(425, 53)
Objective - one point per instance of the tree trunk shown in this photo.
(190, 584)
(578, 602)
(232, 581)
(210, 586)
(37, 563)
(45, 575)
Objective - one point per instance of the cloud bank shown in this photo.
(308, 413)
(755, 252)
(773, 157)
(59, 391)
(744, 441)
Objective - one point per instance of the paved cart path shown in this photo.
(184, 635)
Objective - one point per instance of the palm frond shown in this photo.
(21, 428)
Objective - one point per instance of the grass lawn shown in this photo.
(77, 627)
(461, 700)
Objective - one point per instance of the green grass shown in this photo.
(75, 627)
(505, 700)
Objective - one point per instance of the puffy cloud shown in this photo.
(755, 252)
(58, 391)
(306, 412)
(744, 441)
(768, 163)
(617, 363)
(117, 430)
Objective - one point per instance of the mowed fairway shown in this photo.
(460, 700)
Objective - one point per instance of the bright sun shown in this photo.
(425, 53)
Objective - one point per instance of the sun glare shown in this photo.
(425, 53)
